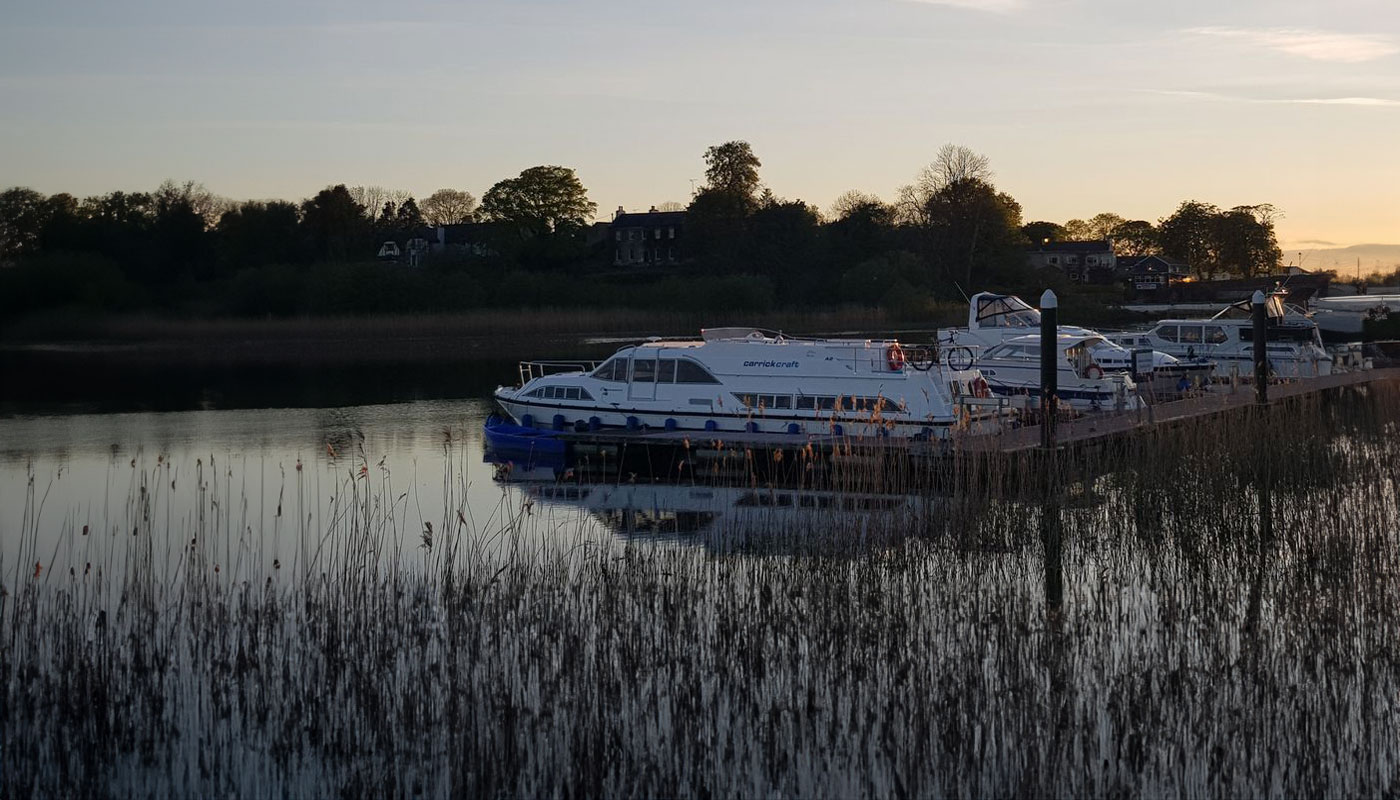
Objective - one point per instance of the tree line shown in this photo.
(948, 233)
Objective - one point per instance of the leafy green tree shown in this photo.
(23, 214)
(1100, 227)
(974, 234)
(1189, 235)
(1041, 232)
(449, 207)
(732, 169)
(1244, 240)
(255, 234)
(1135, 237)
(335, 225)
(181, 245)
(539, 202)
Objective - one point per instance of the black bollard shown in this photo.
(1049, 367)
(1261, 349)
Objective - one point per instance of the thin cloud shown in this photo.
(1368, 102)
(1349, 48)
(991, 6)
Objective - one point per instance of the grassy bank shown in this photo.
(1192, 652)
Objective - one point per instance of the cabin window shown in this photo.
(1167, 333)
(666, 373)
(688, 371)
(643, 370)
(614, 369)
(1215, 334)
(765, 401)
(1190, 334)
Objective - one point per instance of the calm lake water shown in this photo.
(249, 475)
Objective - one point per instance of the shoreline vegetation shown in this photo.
(485, 334)
(1215, 618)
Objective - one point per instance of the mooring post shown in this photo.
(1261, 349)
(1049, 366)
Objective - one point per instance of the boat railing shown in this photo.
(530, 370)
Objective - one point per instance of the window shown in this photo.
(688, 371)
(1167, 333)
(672, 233)
(617, 236)
(1215, 334)
(766, 401)
(670, 254)
(667, 371)
(644, 370)
(806, 403)
(615, 369)
(1190, 334)
(658, 233)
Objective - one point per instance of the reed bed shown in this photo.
(1226, 627)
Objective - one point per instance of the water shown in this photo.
(659, 639)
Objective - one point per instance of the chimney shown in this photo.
(651, 210)
(620, 211)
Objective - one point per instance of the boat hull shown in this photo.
(557, 417)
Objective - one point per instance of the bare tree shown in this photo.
(951, 164)
(373, 198)
(449, 207)
(670, 205)
(851, 201)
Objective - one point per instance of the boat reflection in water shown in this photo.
(728, 519)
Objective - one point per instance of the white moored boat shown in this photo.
(996, 318)
(1293, 343)
(1013, 368)
(745, 380)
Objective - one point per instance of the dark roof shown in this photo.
(650, 219)
(1151, 264)
(464, 233)
(1071, 247)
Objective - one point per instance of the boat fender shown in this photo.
(793, 427)
(670, 424)
(527, 421)
(894, 356)
(751, 427)
(558, 422)
(633, 424)
(594, 423)
(1093, 372)
(711, 425)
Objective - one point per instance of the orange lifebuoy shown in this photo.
(1093, 372)
(980, 387)
(894, 356)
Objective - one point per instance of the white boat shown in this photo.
(1013, 368)
(996, 318)
(1293, 343)
(746, 380)
(1344, 318)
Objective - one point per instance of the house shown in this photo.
(650, 239)
(1151, 273)
(1084, 262)
(467, 238)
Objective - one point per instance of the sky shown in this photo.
(1082, 106)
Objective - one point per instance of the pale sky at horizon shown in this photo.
(1082, 105)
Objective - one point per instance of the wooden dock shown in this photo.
(1218, 399)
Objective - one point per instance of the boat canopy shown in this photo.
(1004, 311)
